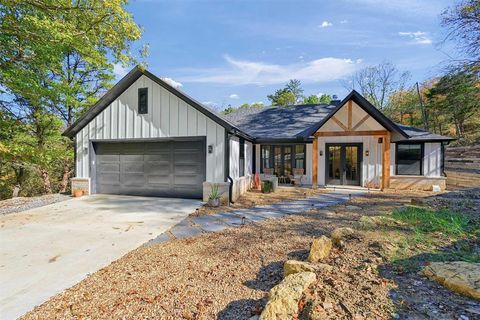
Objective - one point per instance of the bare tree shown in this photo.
(463, 22)
(378, 83)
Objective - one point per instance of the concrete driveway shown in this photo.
(46, 250)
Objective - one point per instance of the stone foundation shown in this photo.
(81, 184)
(417, 183)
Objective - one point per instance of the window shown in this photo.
(299, 156)
(409, 159)
(142, 100)
(265, 157)
(241, 162)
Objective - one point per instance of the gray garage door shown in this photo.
(162, 169)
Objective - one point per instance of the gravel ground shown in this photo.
(227, 275)
(25, 203)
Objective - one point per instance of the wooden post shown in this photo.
(386, 162)
(315, 163)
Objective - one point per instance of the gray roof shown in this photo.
(416, 134)
(291, 122)
(297, 122)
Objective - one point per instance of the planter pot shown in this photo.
(214, 202)
(78, 193)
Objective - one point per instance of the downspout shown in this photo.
(443, 144)
(227, 166)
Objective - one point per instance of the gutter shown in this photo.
(227, 166)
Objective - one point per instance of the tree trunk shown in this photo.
(19, 175)
(47, 186)
(67, 172)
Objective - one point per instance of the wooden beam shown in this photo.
(386, 162)
(349, 109)
(352, 133)
(361, 122)
(339, 123)
(315, 163)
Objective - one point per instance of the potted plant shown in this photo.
(214, 197)
(77, 193)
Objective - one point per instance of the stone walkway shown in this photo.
(192, 226)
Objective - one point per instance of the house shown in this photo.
(145, 137)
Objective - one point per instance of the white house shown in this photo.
(145, 137)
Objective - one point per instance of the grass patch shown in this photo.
(435, 235)
(425, 220)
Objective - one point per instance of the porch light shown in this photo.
(367, 153)
(380, 140)
(210, 148)
(321, 153)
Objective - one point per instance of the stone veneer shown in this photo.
(81, 184)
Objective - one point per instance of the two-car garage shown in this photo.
(166, 168)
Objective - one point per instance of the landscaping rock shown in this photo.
(458, 276)
(320, 249)
(341, 233)
(293, 266)
(284, 297)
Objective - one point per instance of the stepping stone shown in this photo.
(185, 232)
(159, 239)
(231, 219)
(252, 216)
(209, 223)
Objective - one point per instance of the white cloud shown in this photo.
(344, 21)
(172, 82)
(241, 72)
(326, 24)
(418, 37)
(233, 96)
(119, 71)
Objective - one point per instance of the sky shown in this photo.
(232, 52)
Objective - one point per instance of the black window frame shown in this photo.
(142, 93)
(422, 155)
(241, 158)
(271, 148)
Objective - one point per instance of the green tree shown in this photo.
(292, 93)
(314, 99)
(295, 86)
(457, 95)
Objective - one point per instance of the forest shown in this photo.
(57, 58)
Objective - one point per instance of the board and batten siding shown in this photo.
(432, 159)
(168, 116)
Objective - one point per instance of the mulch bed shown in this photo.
(227, 275)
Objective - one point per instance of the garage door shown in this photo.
(163, 169)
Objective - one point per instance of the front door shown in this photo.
(282, 162)
(343, 164)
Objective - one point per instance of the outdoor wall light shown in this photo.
(210, 148)
(321, 153)
(367, 153)
(380, 140)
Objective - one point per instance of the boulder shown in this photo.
(284, 297)
(340, 234)
(320, 249)
(458, 276)
(294, 266)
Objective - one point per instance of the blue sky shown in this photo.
(232, 52)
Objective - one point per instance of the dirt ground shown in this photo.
(227, 275)
(254, 198)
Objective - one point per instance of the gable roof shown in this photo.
(300, 122)
(368, 108)
(125, 83)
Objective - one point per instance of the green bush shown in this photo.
(267, 186)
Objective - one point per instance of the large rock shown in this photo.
(284, 297)
(339, 234)
(459, 276)
(320, 249)
(294, 266)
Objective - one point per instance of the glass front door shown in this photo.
(343, 164)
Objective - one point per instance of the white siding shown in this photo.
(168, 116)
(308, 164)
(372, 165)
(432, 160)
